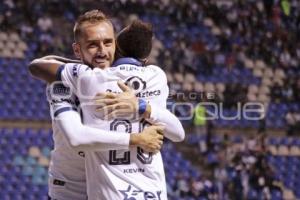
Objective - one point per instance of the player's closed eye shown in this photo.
(92, 45)
(108, 42)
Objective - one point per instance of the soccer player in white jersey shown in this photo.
(66, 170)
(63, 104)
(133, 173)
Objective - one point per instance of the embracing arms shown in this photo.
(123, 105)
(45, 68)
(83, 137)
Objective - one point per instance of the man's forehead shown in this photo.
(102, 30)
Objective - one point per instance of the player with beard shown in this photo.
(66, 168)
(133, 173)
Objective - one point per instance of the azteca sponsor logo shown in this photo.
(141, 94)
(148, 94)
(139, 85)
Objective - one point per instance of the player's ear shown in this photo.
(76, 50)
(144, 61)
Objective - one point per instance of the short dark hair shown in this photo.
(93, 17)
(135, 40)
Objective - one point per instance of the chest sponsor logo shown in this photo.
(139, 86)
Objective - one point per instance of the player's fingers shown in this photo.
(119, 113)
(123, 105)
(150, 149)
(159, 129)
(161, 132)
(154, 151)
(99, 96)
(157, 148)
(160, 137)
(105, 109)
(126, 113)
(153, 148)
(160, 142)
(110, 95)
(103, 102)
(123, 87)
(110, 108)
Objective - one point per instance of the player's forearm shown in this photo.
(44, 69)
(83, 137)
(61, 59)
(173, 127)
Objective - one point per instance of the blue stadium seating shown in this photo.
(22, 177)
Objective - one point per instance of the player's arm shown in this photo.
(173, 127)
(126, 105)
(83, 137)
(157, 113)
(69, 75)
(46, 68)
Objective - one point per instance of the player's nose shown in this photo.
(101, 48)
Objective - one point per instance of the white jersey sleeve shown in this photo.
(159, 113)
(161, 84)
(70, 72)
(79, 136)
(83, 137)
(61, 99)
(79, 76)
(173, 127)
(66, 164)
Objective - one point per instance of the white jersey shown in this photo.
(120, 174)
(67, 178)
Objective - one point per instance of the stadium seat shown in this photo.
(178, 77)
(249, 63)
(273, 149)
(34, 152)
(3, 36)
(190, 77)
(19, 161)
(283, 150)
(268, 73)
(169, 77)
(198, 87)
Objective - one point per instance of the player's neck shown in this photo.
(127, 60)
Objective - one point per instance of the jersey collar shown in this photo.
(127, 60)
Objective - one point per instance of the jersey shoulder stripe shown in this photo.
(64, 109)
(58, 72)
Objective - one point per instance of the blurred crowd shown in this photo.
(293, 121)
(193, 38)
(239, 170)
(243, 166)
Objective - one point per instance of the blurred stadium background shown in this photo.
(241, 50)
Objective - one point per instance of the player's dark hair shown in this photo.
(92, 17)
(135, 40)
